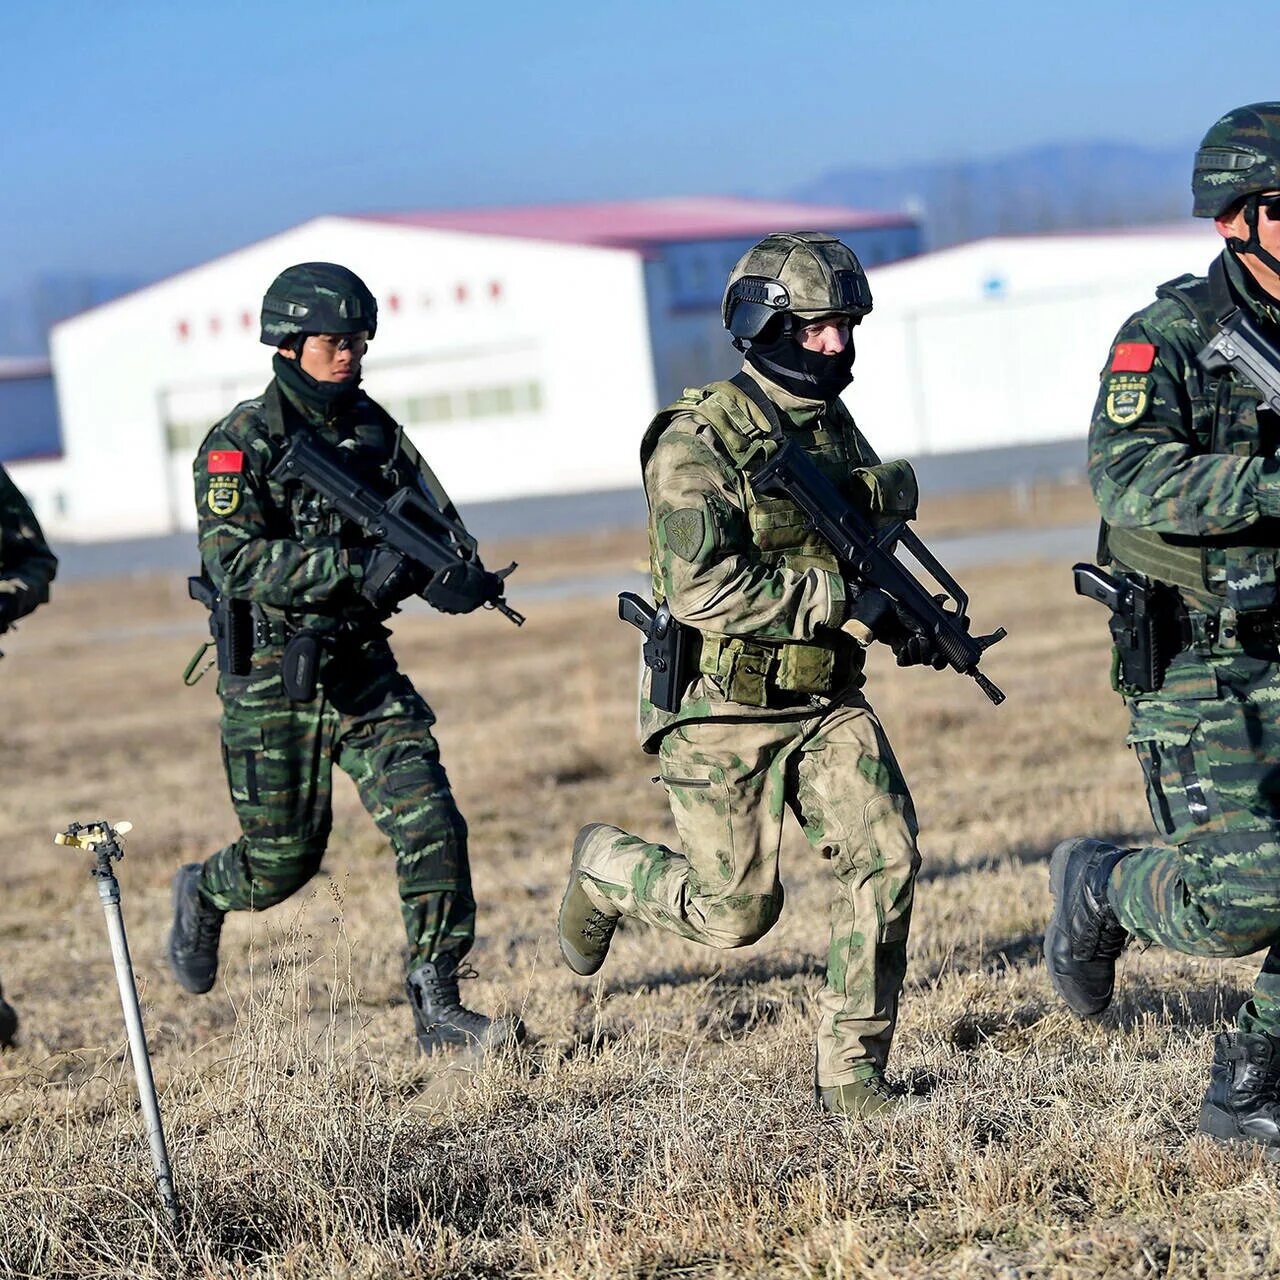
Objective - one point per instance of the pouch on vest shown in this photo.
(888, 489)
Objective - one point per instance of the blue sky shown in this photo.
(143, 136)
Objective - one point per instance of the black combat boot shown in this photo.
(193, 940)
(1243, 1100)
(442, 1022)
(1083, 937)
(8, 1023)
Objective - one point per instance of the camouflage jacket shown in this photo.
(765, 594)
(280, 545)
(27, 565)
(1187, 459)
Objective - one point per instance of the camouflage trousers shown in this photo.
(729, 784)
(279, 755)
(1209, 744)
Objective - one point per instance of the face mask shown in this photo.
(322, 396)
(807, 374)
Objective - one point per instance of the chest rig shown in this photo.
(771, 672)
(1228, 416)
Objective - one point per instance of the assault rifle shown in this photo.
(405, 520)
(867, 554)
(1239, 344)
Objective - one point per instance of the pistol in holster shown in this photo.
(668, 646)
(1144, 623)
(230, 629)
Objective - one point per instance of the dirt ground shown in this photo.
(660, 1119)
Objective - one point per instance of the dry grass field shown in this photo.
(659, 1122)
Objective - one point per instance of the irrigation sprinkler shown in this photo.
(103, 841)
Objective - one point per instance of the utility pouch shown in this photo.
(299, 666)
(888, 489)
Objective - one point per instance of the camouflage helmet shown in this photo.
(316, 297)
(804, 273)
(1240, 156)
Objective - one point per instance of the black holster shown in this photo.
(230, 624)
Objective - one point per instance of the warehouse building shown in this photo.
(998, 343)
(524, 349)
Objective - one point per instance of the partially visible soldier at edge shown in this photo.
(1184, 466)
(27, 567)
(774, 717)
(301, 567)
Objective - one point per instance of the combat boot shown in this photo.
(8, 1022)
(861, 1097)
(1242, 1103)
(441, 1021)
(586, 926)
(1083, 938)
(197, 927)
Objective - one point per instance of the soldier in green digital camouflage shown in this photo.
(773, 716)
(27, 567)
(1184, 466)
(299, 569)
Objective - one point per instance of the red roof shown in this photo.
(638, 224)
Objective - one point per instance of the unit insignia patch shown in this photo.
(1128, 397)
(224, 495)
(685, 530)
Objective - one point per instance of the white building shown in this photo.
(524, 349)
(1000, 342)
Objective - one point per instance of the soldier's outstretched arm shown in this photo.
(712, 574)
(244, 559)
(1147, 466)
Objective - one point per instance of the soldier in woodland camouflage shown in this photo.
(300, 567)
(27, 567)
(1184, 466)
(773, 716)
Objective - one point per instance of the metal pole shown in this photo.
(109, 892)
(101, 839)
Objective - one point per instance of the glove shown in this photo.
(388, 578)
(10, 609)
(462, 587)
(866, 613)
(915, 650)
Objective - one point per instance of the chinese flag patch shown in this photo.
(1133, 357)
(227, 461)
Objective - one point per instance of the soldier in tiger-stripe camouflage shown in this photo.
(27, 567)
(1183, 462)
(298, 567)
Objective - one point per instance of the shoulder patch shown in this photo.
(685, 531)
(1128, 397)
(1133, 357)
(224, 496)
(226, 462)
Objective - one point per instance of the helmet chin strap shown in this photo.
(1253, 245)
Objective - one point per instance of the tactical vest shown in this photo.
(1224, 414)
(750, 671)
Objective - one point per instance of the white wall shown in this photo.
(570, 318)
(1000, 342)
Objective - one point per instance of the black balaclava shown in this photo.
(324, 397)
(807, 374)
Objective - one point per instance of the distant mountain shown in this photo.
(1059, 187)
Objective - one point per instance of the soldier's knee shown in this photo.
(740, 921)
(277, 872)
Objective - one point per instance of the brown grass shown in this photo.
(659, 1122)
